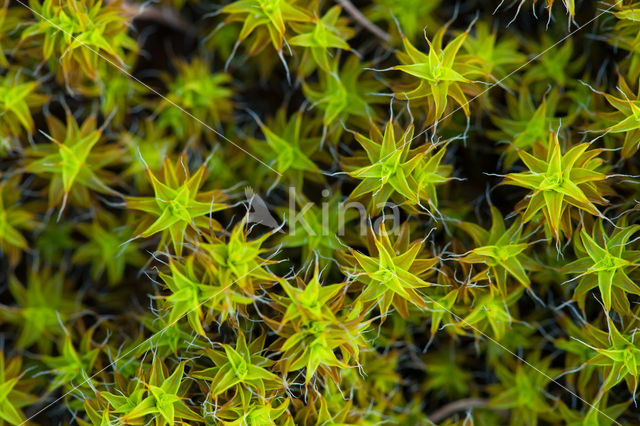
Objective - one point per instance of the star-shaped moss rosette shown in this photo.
(18, 97)
(238, 260)
(239, 366)
(108, 248)
(523, 389)
(178, 208)
(526, 124)
(74, 161)
(407, 17)
(313, 344)
(42, 307)
(266, 19)
(54, 241)
(124, 398)
(605, 261)
(73, 367)
(558, 66)
(14, 391)
(439, 75)
(288, 149)
(328, 32)
(390, 169)
(494, 58)
(625, 35)
(599, 414)
(118, 93)
(502, 250)
(161, 399)
(617, 355)
(190, 298)
(346, 95)
(491, 313)
(311, 301)
(392, 274)
(203, 94)
(446, 374)
(209, 287)
(165, 338)
(79, 38)
(306, 319)
(626, 120)
(560, 182)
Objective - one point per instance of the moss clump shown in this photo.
(279, 212)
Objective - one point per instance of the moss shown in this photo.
(286, 212)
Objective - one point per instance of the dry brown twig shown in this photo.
(446, 411)
(362, 20)
(161, 14)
